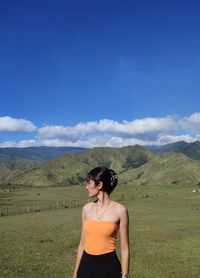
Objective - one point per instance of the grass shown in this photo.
(164, 232)
(165, 238)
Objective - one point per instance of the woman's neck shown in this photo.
(103, 198)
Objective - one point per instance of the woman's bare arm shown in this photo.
(124, 238)
(80, 247)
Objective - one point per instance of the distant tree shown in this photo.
(135, 162)
(139, 175)
(51, 176)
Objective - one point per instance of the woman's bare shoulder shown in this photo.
(88, 206)
(120, 207)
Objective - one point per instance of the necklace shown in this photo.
(100, 216)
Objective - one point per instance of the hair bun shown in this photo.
(113, 178)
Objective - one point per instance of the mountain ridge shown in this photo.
(191, 150)
(134, 165)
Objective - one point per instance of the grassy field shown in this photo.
(164, 231)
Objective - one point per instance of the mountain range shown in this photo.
(191, 150)
(37, 153)
(172, 164)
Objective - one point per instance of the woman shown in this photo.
(101, 221)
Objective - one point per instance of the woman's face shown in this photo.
(92, 188)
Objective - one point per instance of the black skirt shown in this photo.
(99, 266)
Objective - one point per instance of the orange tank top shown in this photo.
(100, 236)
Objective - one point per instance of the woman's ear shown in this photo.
(100, 185)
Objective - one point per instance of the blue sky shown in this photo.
(99, 73)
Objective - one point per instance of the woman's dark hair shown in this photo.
(107, 176)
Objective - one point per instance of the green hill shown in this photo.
(134, 165)
(14, 158)
(8, 164)
(165, 169)
(13, 163)
(4, 173)
(192, 150)
(72, 168)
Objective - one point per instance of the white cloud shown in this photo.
(191, 123)
(9, 144)
(20, 144)
(110, 133)
(125, 128)
(8, 124)
(167, 139)
(136, 127)
(99, 141)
